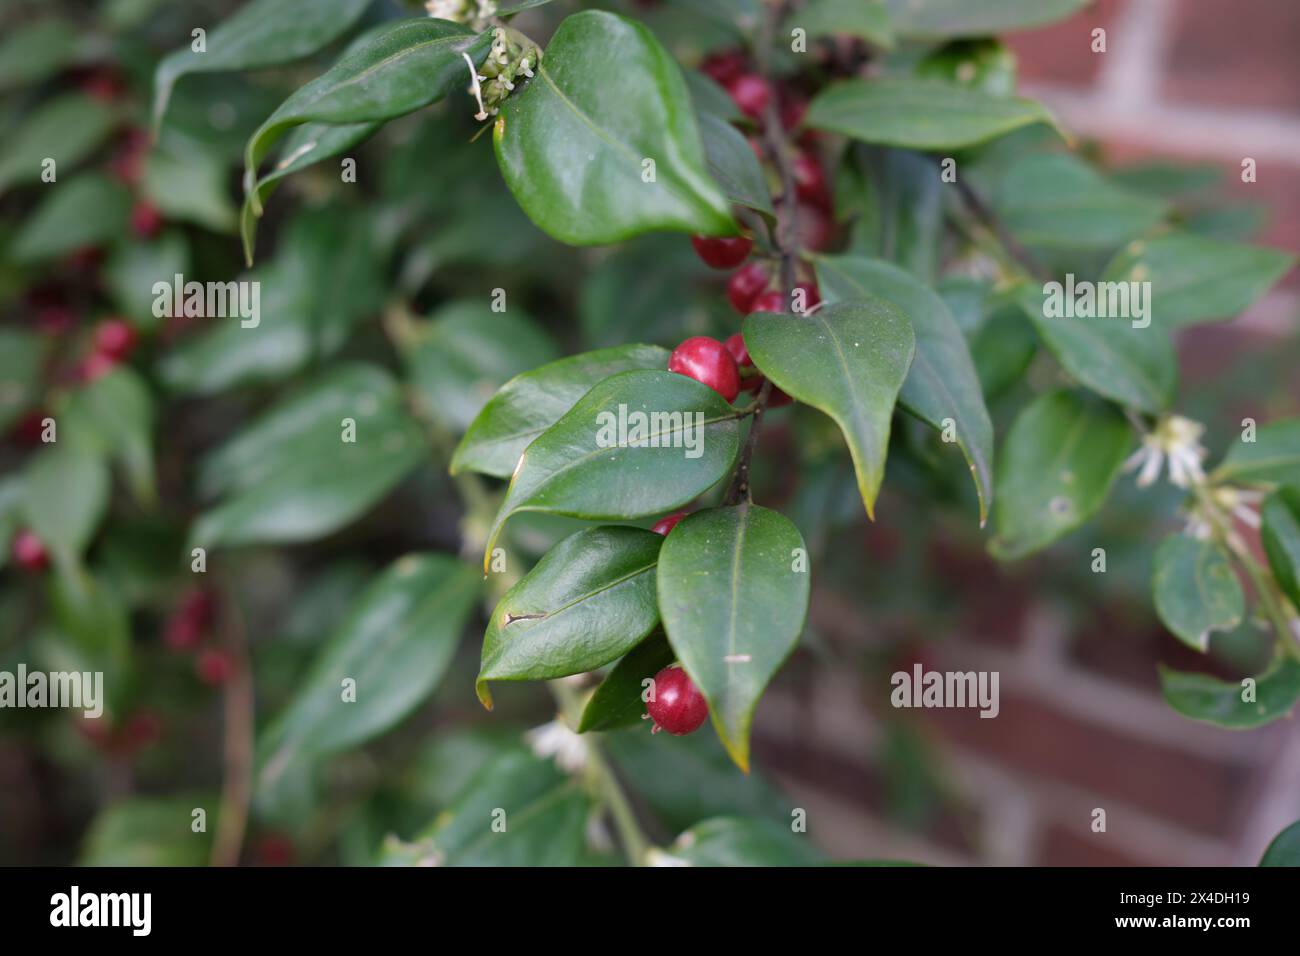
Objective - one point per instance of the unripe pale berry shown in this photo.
(745, 285)
(707, 360)
(677, 706)
(664, 525)
(722, 252)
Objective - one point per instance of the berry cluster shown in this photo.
(188, 630)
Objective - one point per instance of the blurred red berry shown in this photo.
(809, 179)
(771, 301)
(815, 228)
(745, 285)
(29, 551)
(29, 429)
(146, 220)
(55, 320)
(214, 666)
(664, 525)
(724, 66)
(707, 360)
(722, 252)
(95, 366)
(751, 94)
(144, 729)
(735, 344)
(104, 85)
(793, 109)
(273, 849)
(115, 338)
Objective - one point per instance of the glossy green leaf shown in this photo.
(572, 146)
(896, 197)
(289, 476)
(1235, 705)
(617, 702)
(395, 645)
(1196, 590)
(1285, 848)
(948, 18)
(1134, 364)
(33, 52)
(942, 384)
(733, 841)
(734, 166)
(1280, 533)
(22, 354)
(113, 417)
(865, 19)
(1272, 459)
(190, 187)
(260, 34)
(66, 129)
(407, 67)
(88, 210)
(456, 361)
(1055, 470)
(530, 403)
(733, 592)
(640, 443)
(919, 114)
(848, 360)
(1197, 279)
(590, 600)
(1058, 200)
(711, 99)
(65, 496)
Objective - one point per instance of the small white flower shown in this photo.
(1177, 439)
(477, 90)
(1237, 502)
(657, 857)
(556, 740)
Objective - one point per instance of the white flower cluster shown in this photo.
(556, 740)
(1177, 439)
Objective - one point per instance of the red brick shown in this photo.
(1240, 54)
(1065, 847)
(1062, 54)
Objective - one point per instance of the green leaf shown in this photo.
(734, 166)
(733, 841)
(262, 33)
(190, 188)
(607, 96)
(66, 129)
(33, 52)
(1280, 534)
(1055, 470)
(640, 443)
(456, 361)
(86, 211)
(407, 67)
(897, 198)
(919, 114)
(1059, 201)
(942, 383)
(949, 18)
(133, 268)
(590, 600)
(1196, 590)
(65, 497)
(848, 360)
(530, 403)
(395, 644)
(290, 476)
(617, 701)
(711, 99)
(865, 19)
(1135, 365)
(1285, 848)
(1222, 703)
(113, 417)
(1272, 459)
(1197, 279)
(22, 354)
(733, 592)
(150, 831)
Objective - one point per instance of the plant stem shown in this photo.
(237, 786)
(990, 221)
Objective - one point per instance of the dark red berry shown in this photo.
(30, 429)
(735, 344)
(95, 366)
(144, 729)
(55, 319)
(104, 85)
(722, 252)
(664, 525)
(676, 705)
(29, 551)
(815, 228)
(776, 398)
(707, 360)
(751, 94)
(146, 220)
(214, 666)
(724, 66)
(771, 301)
(809, 179)
(812, 296)
(745, 285)
(115, 338)
(273, 850)
(191, 621)
(792, 111)
(86, 260)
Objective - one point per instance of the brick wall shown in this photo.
(1082, 725)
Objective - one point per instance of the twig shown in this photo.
(989, 219)
(237, 786)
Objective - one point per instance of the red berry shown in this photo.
(146, 220)
(776, 398)
(214, 666)
(29, 552)
(792, 111)
(745, 285)
(143, 729)
(707, 360)
(115, 338)
(812, 296)
(30, 428)
(815, 229)
(809, 179)
(751, 94)
(664, 525)
(95, 366)
(724, 66)
(722, 252)
(86, 260)
(771, 301)
(104, 85)
(273, 850)
(676, 705)
(55, 319)
(735, 344)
